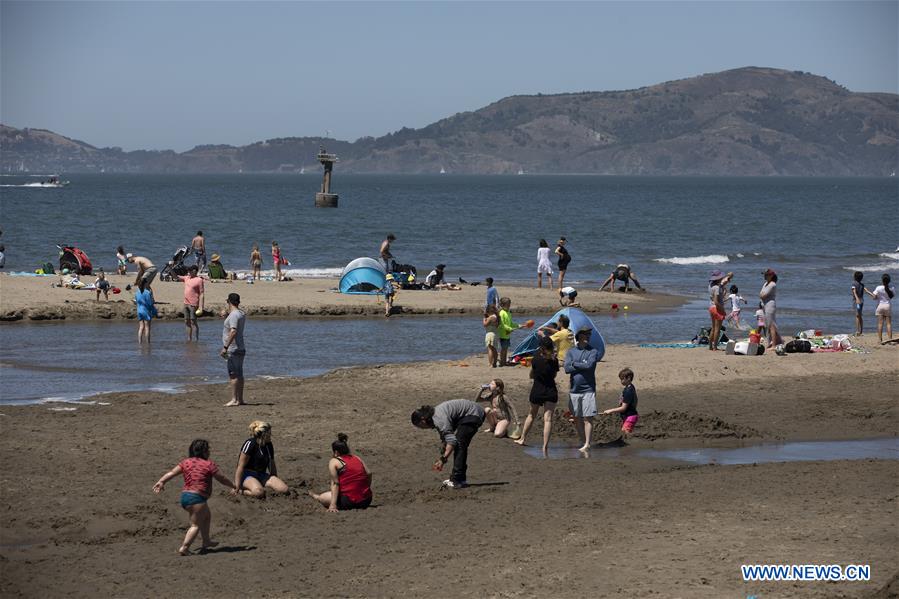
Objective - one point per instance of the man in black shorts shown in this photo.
(622, 273)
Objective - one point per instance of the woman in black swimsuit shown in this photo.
(544, 368)
(564, 259)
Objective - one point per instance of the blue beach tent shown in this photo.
(363, 276)
(578, 320)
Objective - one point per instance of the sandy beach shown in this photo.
(79, 518)
(36, 298)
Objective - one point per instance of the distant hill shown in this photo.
(748, 121)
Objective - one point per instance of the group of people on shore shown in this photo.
(256, 475)
(766, 315)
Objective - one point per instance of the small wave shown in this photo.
(710, 259)
(890, 255)
(882, 267)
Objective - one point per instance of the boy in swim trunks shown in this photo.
(627, 403)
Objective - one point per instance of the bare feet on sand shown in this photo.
(519, 441)
(233, 403)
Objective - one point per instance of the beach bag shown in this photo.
(48, 268)
(798, 346)
(515, 433)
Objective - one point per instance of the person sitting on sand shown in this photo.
(627, 403)
(102, 285)
(437, 280)
(215, 269)
(198, 471)
(568, 297)
(146, 271)
(456, 421)
(544, 393)
(350, 480)
(500, 413)
(256, 469)
(622, 273)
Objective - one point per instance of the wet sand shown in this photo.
(79, 518)
(35, 298)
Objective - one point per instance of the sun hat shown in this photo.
(129, 256)
(215, 258)
(716, 275)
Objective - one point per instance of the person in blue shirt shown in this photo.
(580, 363)
(492, 294)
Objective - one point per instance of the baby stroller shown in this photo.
(176, 267)
(73, 260)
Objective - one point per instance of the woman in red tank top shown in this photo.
(350, 480)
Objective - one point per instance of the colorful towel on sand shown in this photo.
(674, 345)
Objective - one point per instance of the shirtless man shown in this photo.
(145, 269)
(386, 256)
(198, 246)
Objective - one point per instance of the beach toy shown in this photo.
(626, 308)
(615, 307)
(528, 323)
(199, 312)
(116, 290)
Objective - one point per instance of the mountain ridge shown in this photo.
(746, 121)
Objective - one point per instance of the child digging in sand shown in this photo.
(198, 471)
(627, 403)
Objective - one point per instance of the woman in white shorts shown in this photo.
(884, 295)
(544, 266)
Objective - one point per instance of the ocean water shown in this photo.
(671, 231)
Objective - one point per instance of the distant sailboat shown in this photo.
(520, 171)
(442, 171)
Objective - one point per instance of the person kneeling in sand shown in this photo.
(500, 413)
(350, 480)
(256, 469)
(198, 471)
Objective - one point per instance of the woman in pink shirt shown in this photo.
(198, 471)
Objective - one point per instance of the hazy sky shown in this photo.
(173, 75)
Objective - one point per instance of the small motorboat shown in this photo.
(51, 182)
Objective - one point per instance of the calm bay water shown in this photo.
(672, 231)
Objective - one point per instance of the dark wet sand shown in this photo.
(79, 518)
